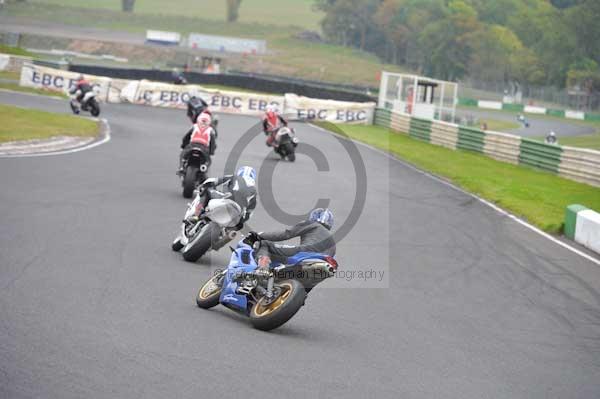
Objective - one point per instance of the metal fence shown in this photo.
(548, 96)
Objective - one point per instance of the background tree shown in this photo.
(536, 42)
(233, 7)
(127, 5)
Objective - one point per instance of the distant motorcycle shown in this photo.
(195, 167)
(268, 297)
(285, 143)
(213, 218)
(88, 103)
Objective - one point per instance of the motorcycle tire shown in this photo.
(280, 310)
(74, 108)
(207, 300)
(291, 154)
(94, 107)
(201, 242)
(189, 181)
(177, 245)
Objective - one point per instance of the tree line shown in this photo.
(537, 42)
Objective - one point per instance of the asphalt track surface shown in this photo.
(94, 303)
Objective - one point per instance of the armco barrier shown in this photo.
(444, 134)
(577, 164)
(503, 147)
(580, 164)
(400, 122)
(539, 155)
(383, 117)
(470, 139)
(420, 129)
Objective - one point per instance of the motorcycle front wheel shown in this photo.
(94, 107)
(266, 315)
(201, 242)
(208, 295)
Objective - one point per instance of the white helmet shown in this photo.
(204, 119)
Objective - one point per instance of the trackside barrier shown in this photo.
(583, 226)
(160, 94)
(577, 164)
(530, 109)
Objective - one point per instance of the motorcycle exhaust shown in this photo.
(203, 168)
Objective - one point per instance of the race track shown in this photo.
(539, 126)
(94, 303)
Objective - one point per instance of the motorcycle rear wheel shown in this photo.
(291, 153)
(189, 181)
(269, 316)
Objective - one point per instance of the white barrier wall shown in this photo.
(159, 94)
(60, 81)
(329, 110)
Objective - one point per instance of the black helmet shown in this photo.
(195, 106)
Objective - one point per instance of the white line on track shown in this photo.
(491, 205)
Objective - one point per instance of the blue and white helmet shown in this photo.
(248, 174)
(323, 216)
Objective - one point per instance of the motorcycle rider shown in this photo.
(272, 121)
(240, 187)
(195, 106)
(314, 233)
(80, 89)
(201, 135)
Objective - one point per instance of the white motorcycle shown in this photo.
(88, 103)
(211, 227)
(285, 143)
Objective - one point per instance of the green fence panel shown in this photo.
(420, 129)
(556, 112)
(540, 155)
(383, 117)
(469, 102)
(592, 117)
(571, 219)
(513, 107)
(470, 139)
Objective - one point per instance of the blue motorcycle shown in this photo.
(268, 297)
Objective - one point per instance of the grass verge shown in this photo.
(25, 124)
(498, 125)
(536, 196)
(587, 141)
(14, 50)
(278, 12)
(16, 87)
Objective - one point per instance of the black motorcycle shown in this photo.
(195, 167)
(285, 143)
